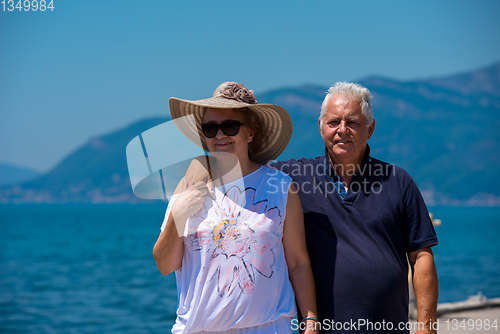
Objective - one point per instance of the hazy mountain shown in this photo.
(446, 139)
(10, 174)
(443, 131)
(95, 172)
(483, 81)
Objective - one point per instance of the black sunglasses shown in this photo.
(230, 128)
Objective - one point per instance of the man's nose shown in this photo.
(342, 126)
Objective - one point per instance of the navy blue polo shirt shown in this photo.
(358, 244)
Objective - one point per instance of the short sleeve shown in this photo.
(418, 231)
(169, 207)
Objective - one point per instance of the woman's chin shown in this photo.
(226, 148)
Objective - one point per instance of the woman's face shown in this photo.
(237, 144)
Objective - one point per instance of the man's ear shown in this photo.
(320, 128)
(371, 128)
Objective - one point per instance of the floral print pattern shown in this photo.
(237, 237)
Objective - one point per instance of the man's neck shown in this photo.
(347, 168)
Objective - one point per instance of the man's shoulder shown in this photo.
(287, 165)
(271, 171)
(391, 172)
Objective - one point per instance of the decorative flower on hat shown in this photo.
(237, 237)
(236, 91)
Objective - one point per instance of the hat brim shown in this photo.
(276, 121)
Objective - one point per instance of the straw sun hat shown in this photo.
(277, 124)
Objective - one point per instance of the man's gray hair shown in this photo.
(351, 90)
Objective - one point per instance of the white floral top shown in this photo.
(234, 273)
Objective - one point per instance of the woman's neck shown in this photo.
(229, 168)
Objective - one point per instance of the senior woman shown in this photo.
(237, 252)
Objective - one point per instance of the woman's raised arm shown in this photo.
(169, 247)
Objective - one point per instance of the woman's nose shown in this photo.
(220, 133)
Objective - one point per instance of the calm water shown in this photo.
(89, 268)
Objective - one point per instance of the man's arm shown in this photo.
(425, 285)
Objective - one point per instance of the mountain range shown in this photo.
(10, 174)
(443, 131)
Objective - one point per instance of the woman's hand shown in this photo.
(189, 201)
(197, 171)
(169, 248)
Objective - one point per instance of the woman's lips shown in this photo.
(222, 144)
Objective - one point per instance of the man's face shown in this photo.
(345, 131)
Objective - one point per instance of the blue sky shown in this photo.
(90, 67)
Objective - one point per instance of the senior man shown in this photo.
(365, 220)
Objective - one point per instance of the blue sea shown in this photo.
(78, 268)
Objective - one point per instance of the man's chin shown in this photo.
(341, 152)
(338, 154)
